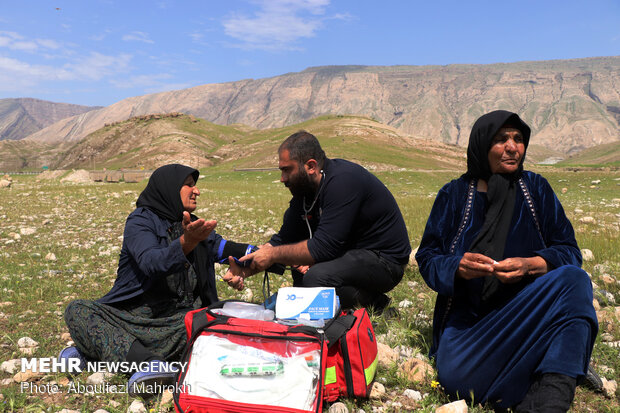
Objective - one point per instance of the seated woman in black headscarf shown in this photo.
(166, 268)
(514, 323)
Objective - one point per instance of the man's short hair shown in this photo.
(303, 146)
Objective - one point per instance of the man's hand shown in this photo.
(474, 265)
(194, 232)
(512, 270)
(235, 275)
(261, 259)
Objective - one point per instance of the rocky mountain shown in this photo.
(24, 116)
(570, 104)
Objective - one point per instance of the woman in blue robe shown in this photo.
(514, 323)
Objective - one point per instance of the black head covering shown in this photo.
(482, 134)
(501, 188)
(162, 193)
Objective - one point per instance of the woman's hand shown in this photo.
(235, 275)
(474, 265)
(512, 270)
(301, 268)
(194, 232)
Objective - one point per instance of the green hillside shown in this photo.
(606, 155)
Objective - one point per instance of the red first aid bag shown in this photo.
(242, 365)
(351, 357)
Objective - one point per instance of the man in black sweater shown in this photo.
(342, 229)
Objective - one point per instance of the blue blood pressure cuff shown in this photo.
(238, 250)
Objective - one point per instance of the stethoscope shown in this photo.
(307, 210)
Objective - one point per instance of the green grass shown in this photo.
(82, 226)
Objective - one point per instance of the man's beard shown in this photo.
(300, 184)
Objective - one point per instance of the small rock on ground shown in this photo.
(455, 407)
(10, 366)
(136, 406)
(587, 255)
(377, 391)
(415, 370)
(338, 407)
(412, 394)
(609, 387)
(26, 342)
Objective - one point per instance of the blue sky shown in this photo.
(97, 52)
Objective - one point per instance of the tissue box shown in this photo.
(309, 303)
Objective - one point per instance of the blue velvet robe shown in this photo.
(539, 325)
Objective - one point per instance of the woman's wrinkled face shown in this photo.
(507, 150)
(189, 192)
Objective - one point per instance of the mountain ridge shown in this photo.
(570, 104)
(20, 117)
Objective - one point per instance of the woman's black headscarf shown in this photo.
(162, 193)
(501, 192)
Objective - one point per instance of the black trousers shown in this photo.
(360, 277)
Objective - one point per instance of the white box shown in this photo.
(308, 303)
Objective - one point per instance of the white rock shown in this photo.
(6, 382)
(166, 398)
(28, 351)
(405, 304)
(587, 255)
(610, 297)
(338, 407)
(96, 378)
(137, 407)
(609, 387)
(578, 211)
(413, 394)
(587, 220)
(27, 231)
(50, 257)
(4, 183)
(607, 337)
(596, 182)
(377, 391)
(11, 366)
(455, 407)
(101, 411)
(386, 356)
(68, 411)
(26, 342)
(247, 295)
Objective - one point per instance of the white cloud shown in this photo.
(278, 24)
(16, 75)
(15, 41)
(20, 76)
(97, 65)
(48, 43)
(24, 46)
(137, 37)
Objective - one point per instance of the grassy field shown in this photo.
(82, 225)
